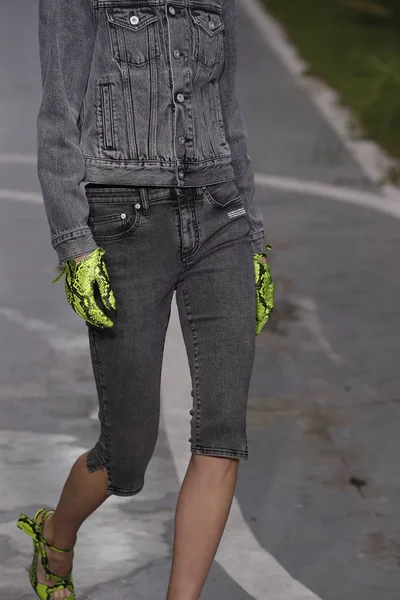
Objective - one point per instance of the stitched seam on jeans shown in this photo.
(120, 492)
(195, 218)
(196, 246)
(196, 364)
(198, 449)
(106, 422)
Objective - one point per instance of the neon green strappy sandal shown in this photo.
(34, 528)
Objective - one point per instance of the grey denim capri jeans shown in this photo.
(194, 241)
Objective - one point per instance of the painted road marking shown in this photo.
(18, 196)
(373, 161)
(381, 203)
(240, 554)
(58, 338)
(18, 159)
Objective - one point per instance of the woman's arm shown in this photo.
(235, 129)
(67, 32)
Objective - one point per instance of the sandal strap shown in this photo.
(34, 528)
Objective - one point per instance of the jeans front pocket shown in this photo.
(112, 221)
(222, 195)
(208, 39)
(134, 35)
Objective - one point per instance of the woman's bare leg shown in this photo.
(203, 507)
(83, 492)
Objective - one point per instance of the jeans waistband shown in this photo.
(146, 195)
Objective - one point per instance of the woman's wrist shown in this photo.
(81, 257)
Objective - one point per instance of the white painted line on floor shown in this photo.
(18, 159)
(312, 322)
(381, 203)
(372, 159)
(240, 553)
(18, 196)
(58, 338)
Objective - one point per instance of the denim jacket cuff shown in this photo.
(70, 244)
(258, 244)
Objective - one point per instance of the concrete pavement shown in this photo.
(315, 514)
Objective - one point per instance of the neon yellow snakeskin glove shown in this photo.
(80, 279)
(264, 290)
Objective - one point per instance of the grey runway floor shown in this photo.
(317, 503)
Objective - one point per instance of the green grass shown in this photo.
(356, 53)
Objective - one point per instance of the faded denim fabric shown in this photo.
(139, 93)
(158, 241)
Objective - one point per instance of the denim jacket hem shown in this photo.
(158, 173)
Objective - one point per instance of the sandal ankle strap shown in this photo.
(34, 529)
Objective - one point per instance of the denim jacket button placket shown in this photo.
(180, 114)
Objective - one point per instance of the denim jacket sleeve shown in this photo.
(236, 131)
(66, 37)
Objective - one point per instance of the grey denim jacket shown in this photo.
(137, 92)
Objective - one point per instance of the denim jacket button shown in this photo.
(180, 97)
(211, 24)
(177, 53)
(181, 140)
(171, 10)
(134, 20)
(137, 205)
(181, 174)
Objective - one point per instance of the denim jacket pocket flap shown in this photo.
(211, 23)
(132, 18)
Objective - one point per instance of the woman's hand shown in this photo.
(264, 290)
(81, 275)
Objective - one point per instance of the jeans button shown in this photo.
(171, 10)
(181, 174)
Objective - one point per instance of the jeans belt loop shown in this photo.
(145, 201)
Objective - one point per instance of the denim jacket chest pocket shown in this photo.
(134, 34)
(208, 39)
